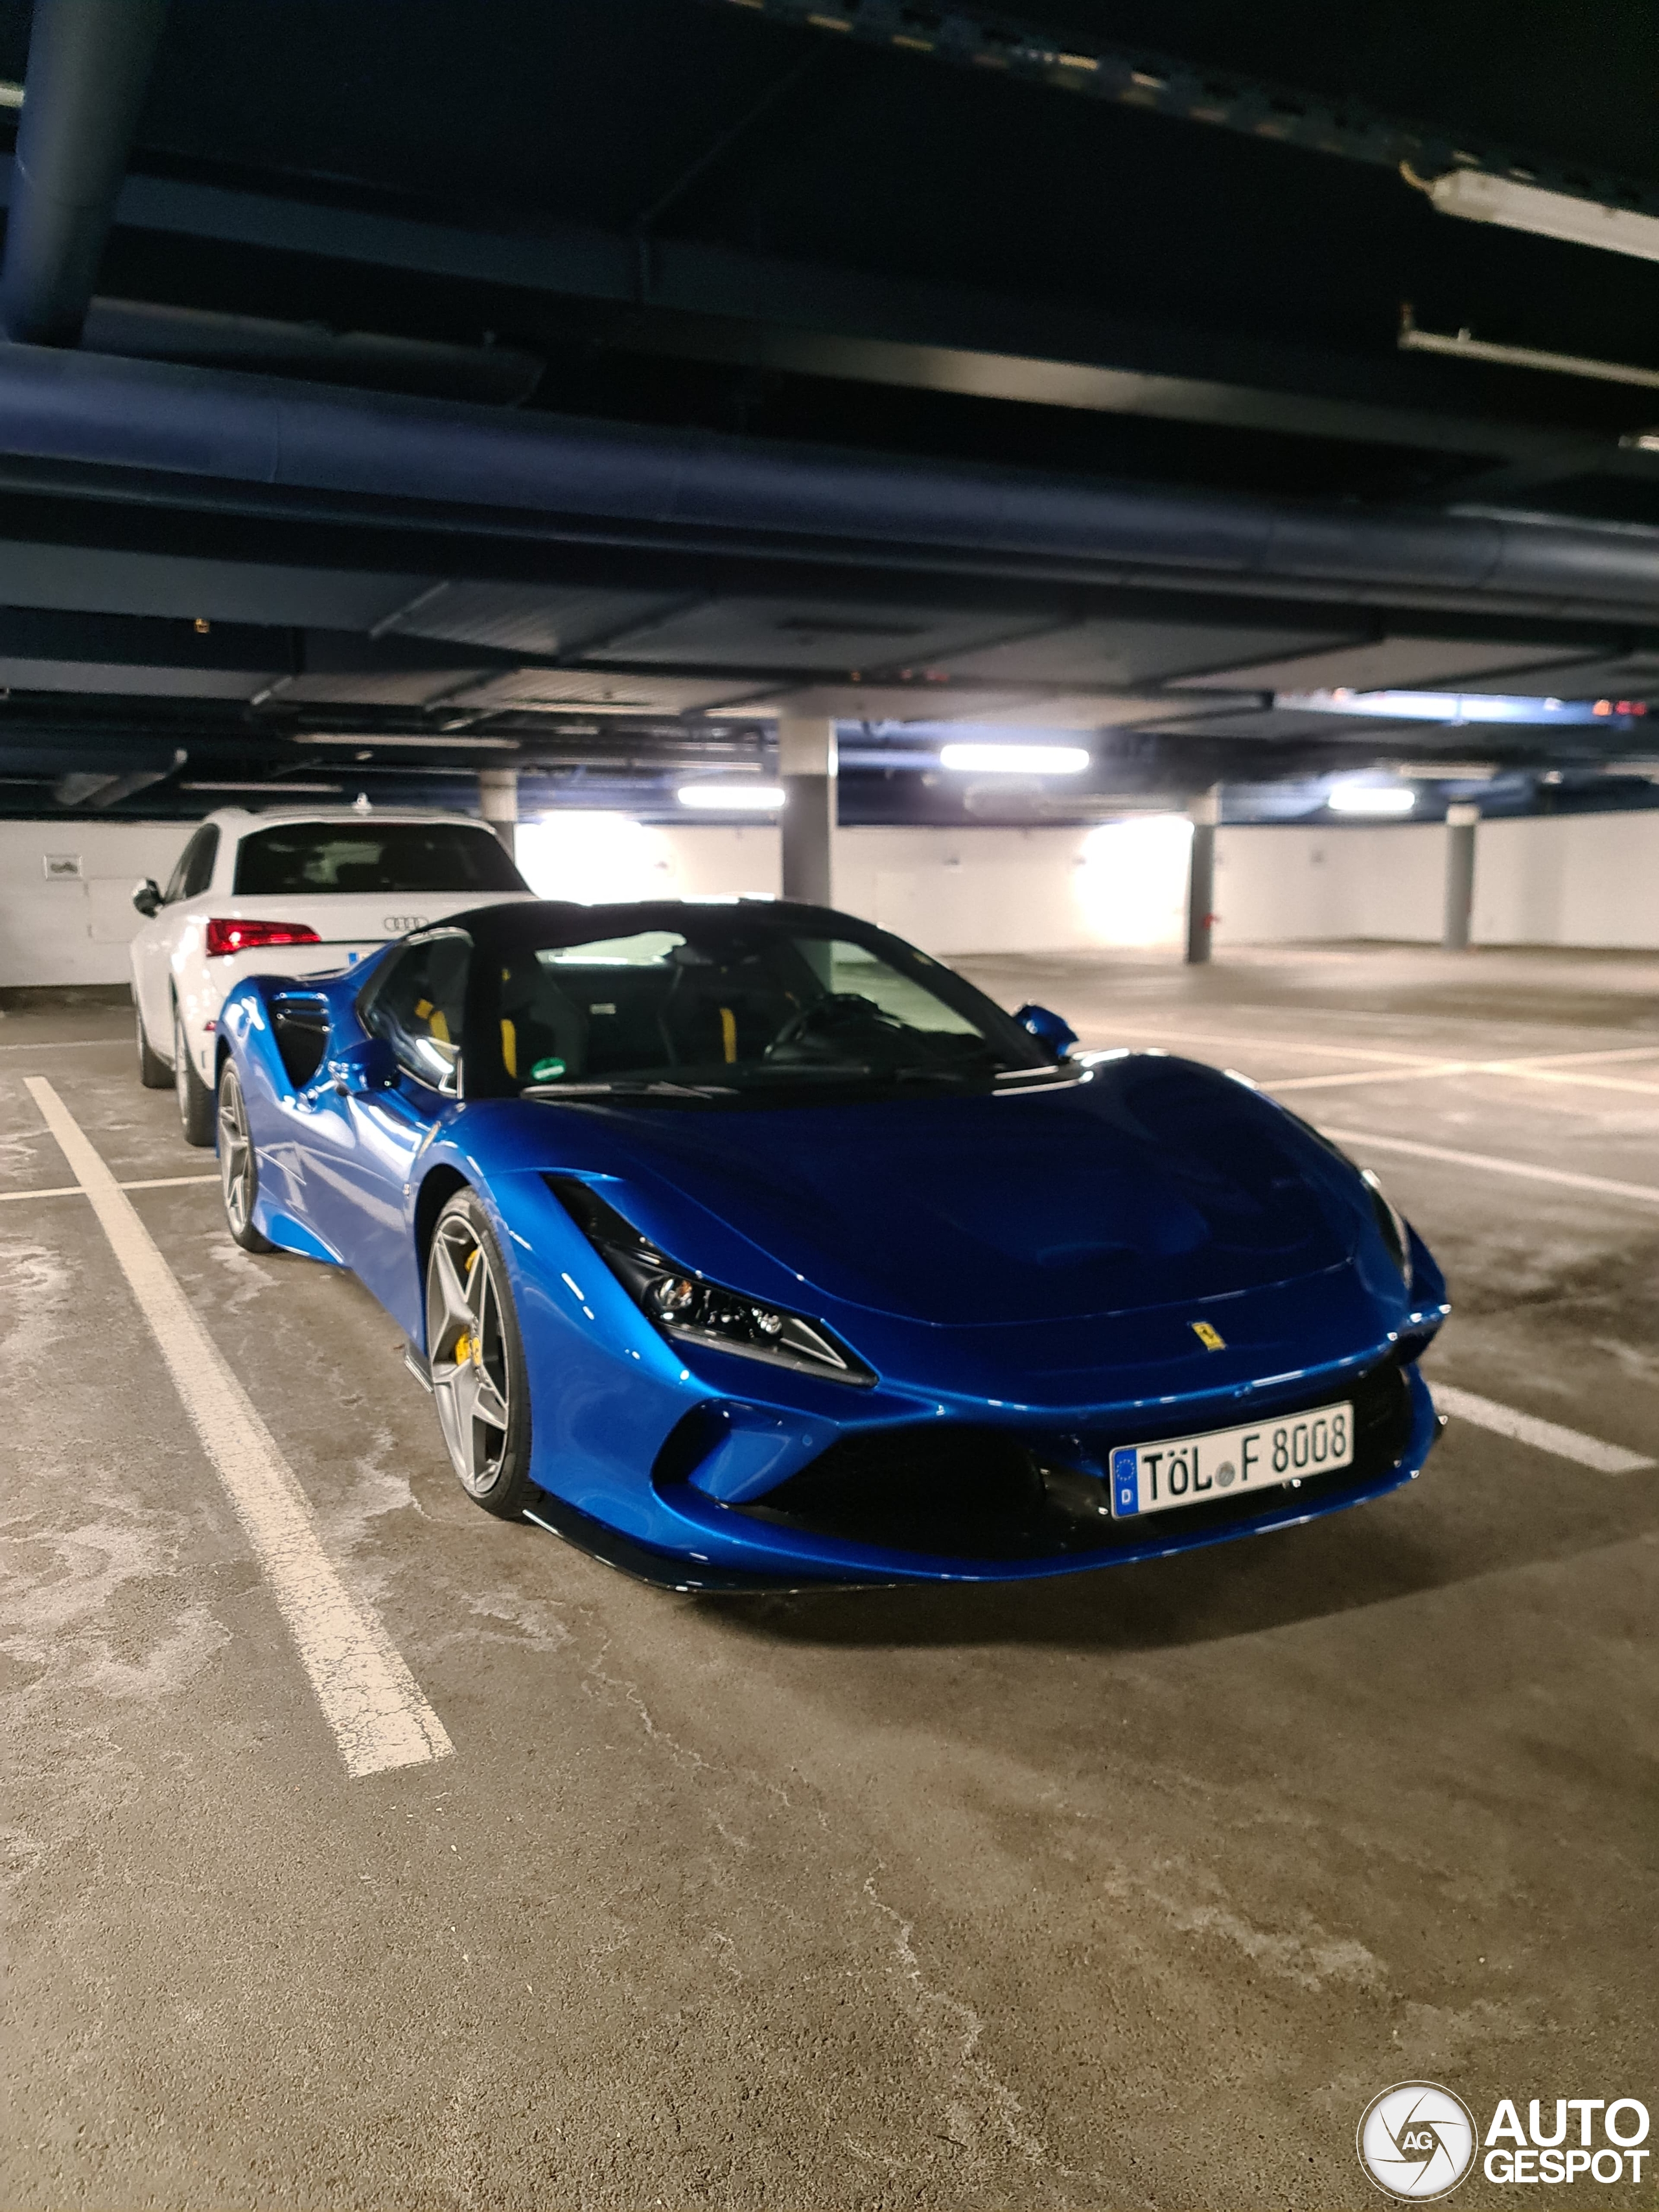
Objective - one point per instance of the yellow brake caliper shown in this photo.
(465, 1346)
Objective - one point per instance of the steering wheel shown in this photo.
(834, 1011)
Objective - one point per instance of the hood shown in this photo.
(1152, 1182)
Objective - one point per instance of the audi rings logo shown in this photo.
(399, 925)
(1417, 2140)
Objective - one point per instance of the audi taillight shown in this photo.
(253, 936)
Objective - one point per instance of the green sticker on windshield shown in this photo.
(548, 1071)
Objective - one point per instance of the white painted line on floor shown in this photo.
(70, 1044)
(1579, 1078)
(1542, 1067)
(1174, 1040)
(75, 1190)
(1542, 1435)
(1522, 1071)
(1644, 1194)
(168, 1182)
(1277, 1083)
(380, 1717)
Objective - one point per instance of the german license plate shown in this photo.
(1197, 1470)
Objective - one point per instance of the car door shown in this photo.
(156, 944)
(376, 1102)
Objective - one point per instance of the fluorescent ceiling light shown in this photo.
(1370, 798)
(270, 790)
(1458, 707)
(1479, 198)
(382, 743)
(1015, 760)
(731, 798)
(1464, 771)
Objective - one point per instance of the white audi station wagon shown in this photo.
(299, 893)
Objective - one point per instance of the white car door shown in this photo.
(156, 944)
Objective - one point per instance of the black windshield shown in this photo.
(716, 1006)
(312, 857)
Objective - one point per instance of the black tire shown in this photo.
(197, 1117)
(475, 1358)
(152, 1071)
(239, 1164)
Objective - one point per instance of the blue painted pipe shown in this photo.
(582, 478)
(88, 67)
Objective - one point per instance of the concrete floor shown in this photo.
(1129, 1889)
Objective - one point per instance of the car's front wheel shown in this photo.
(196, 1115)
(152, 1071)
(475, 1358)
(239, 1164)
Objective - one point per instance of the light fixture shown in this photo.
(1453, 707)
(1478, 196)
(1370, 798)
(387, 743)
(1447, 771)
(1014, 760)
(731, 798)
(270, 790)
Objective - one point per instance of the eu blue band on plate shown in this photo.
(1125, 1484)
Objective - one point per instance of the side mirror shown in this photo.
(147, 897)
(1048, 1029)
(370, 1066)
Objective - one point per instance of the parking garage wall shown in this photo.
(66, 911)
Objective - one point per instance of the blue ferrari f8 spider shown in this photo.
(748, 1247)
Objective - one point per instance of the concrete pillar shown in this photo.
(1460, 875)
(498, 802)
(1204, 811)
(806, 769)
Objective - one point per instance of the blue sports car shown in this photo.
(748, 1247)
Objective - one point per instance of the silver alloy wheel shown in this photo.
(466, 1353)
(236, 1168)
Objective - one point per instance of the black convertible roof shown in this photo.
(510, 927)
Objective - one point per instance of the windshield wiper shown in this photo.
(627, 1086)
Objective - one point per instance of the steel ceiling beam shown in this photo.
(1160, 84)
(723, 303)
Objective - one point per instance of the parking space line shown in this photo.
(1534, 1067)
(377, 1711)
(1277, 1083)
(75, 1190)
(1542, 1435)
(1644, 1194)
(70, 1044)
(168, 1182)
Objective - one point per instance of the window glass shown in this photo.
(179, 881)
(199, 859)
(419, 1004)
(363, 855)
(735, 1006)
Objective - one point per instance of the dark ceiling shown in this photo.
(876, 230)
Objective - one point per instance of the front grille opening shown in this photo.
(975, 1493)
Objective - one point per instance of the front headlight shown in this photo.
(1391, 1222)
(687, 1307)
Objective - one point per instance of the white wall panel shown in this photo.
(76, 930)
(1581, 879)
